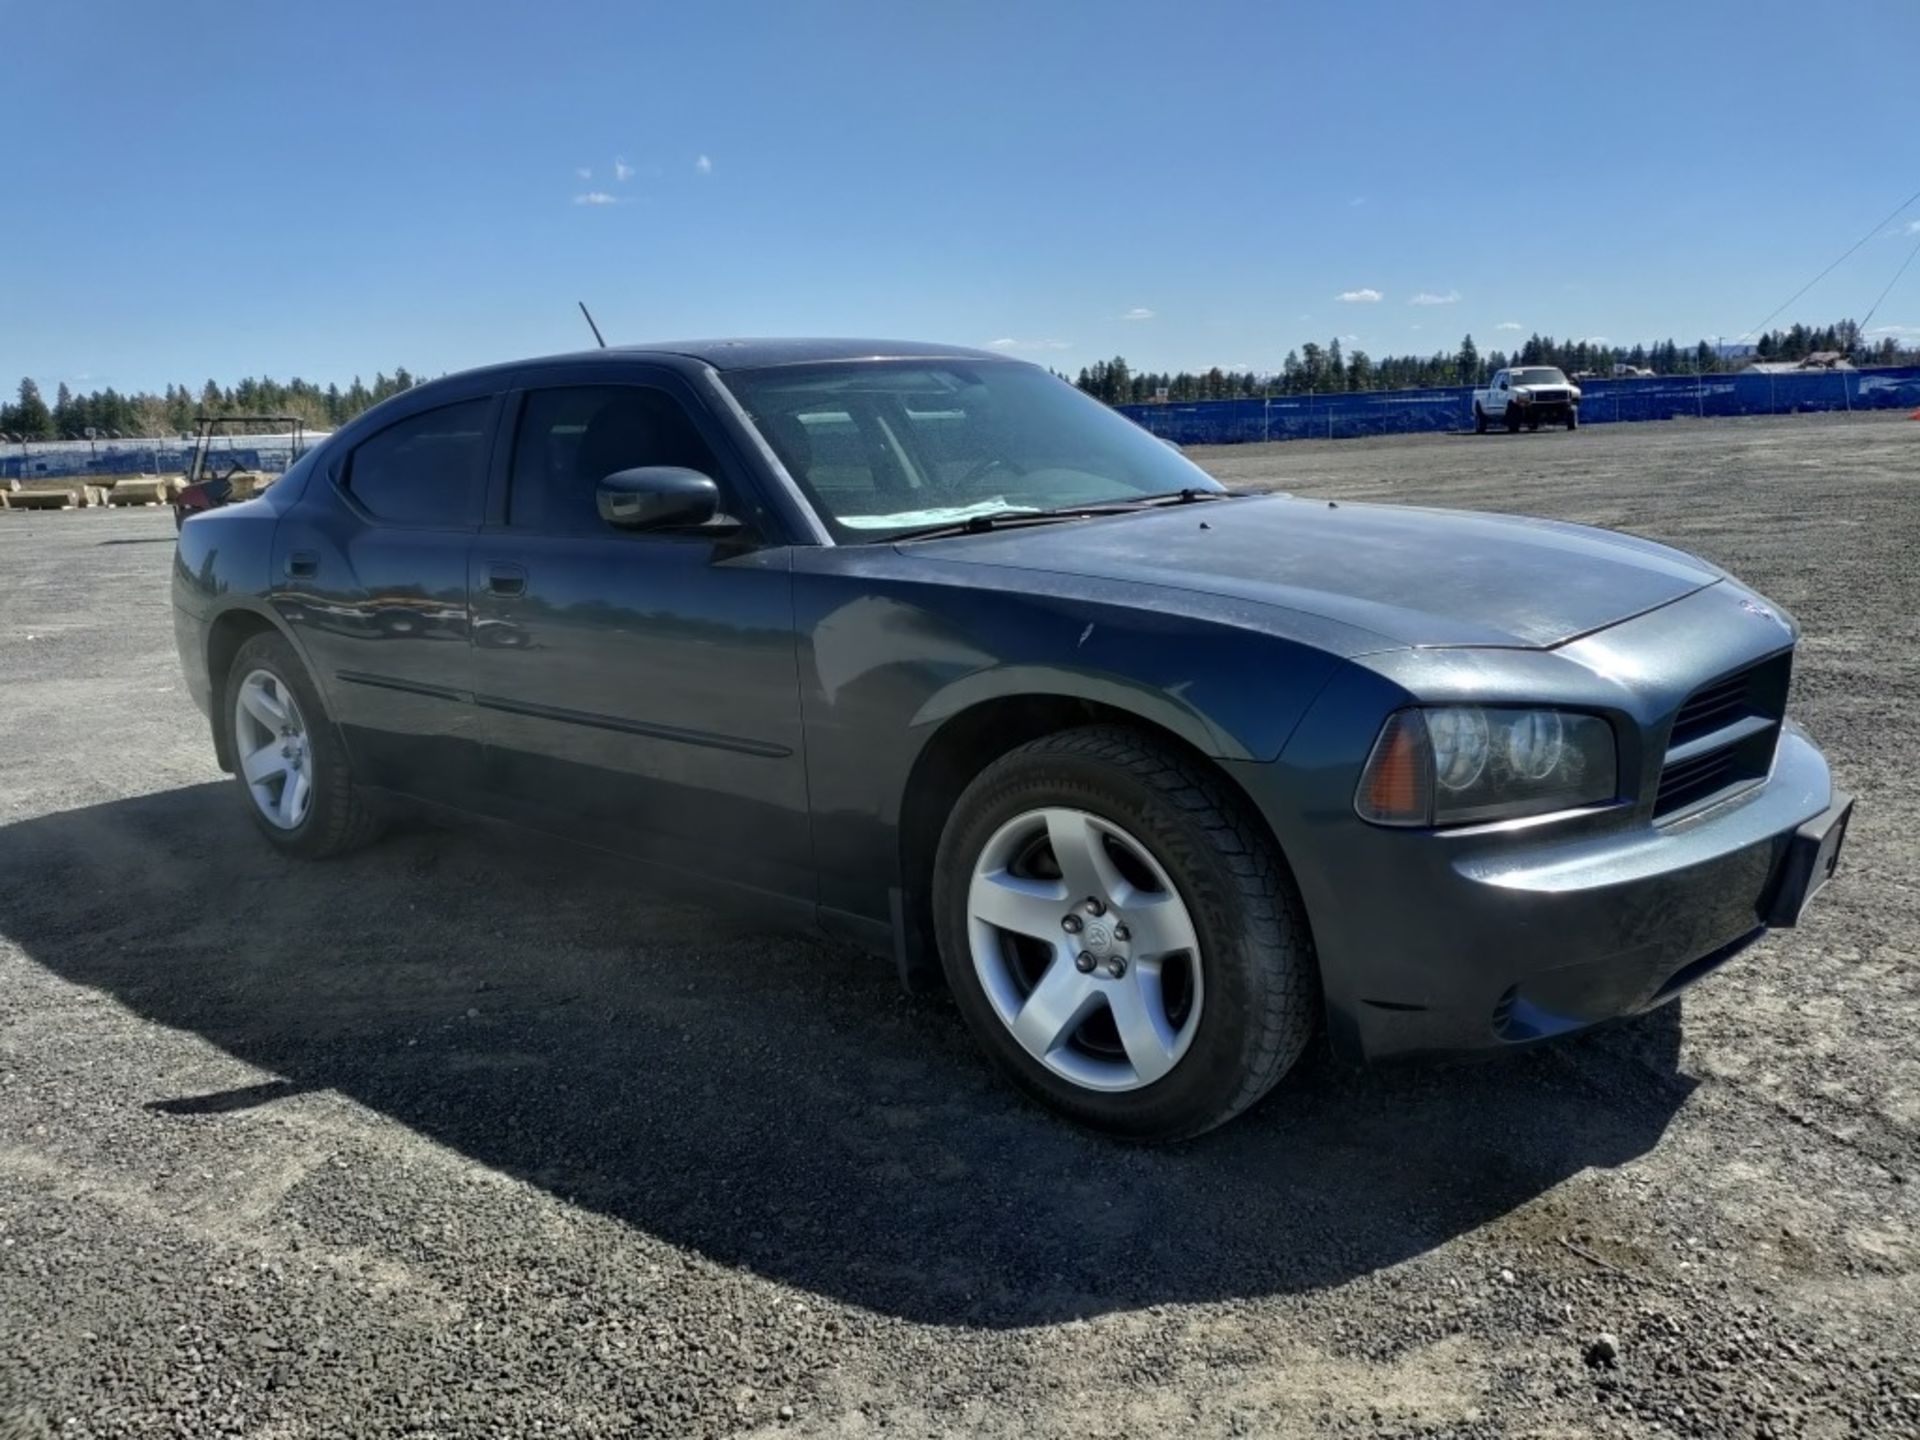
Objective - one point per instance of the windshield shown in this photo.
(1540, 375)
(885, 446)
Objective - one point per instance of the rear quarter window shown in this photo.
(428, 469)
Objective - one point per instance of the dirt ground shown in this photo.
(461, 1136)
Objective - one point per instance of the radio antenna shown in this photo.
(590, 325)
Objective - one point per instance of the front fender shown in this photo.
(1117, 692)
(885, 667)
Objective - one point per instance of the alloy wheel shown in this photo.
(1085, 949)
(271, 745)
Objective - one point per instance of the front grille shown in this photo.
(1723, 737)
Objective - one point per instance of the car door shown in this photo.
(639, 689)
(370, 572)
(1497, 396)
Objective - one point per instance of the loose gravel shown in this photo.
(462, 1136)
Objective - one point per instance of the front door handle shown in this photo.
(303, 564)
(503, 579)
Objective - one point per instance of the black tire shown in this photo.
(1573, 419)
(1479, 419)
(1513, 418)
(338, 818)
(1261, 980)
(1533, 422)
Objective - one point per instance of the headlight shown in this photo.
(1457, 764)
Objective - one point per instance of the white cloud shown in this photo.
(1007, 342)
(703, 164)
(1357, 201)
(1138, 312)
(1366, 296)
(1348, 339)
(1598, 340)
(1427, 297)
(621, 169)
(1895, 330)
(1509, 325)
(596, 197)
(583, 173)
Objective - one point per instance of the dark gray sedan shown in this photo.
(922, 648)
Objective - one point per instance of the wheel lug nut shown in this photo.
(1120, 932)
(1116, 967)
(1071, 924)
(1095, 905)
(1083, 962)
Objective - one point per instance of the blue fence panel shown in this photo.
(77, 459)
(1450, 408)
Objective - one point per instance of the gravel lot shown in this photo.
(457, 1137)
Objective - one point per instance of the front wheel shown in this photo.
(288, 758)
(1121, 936)
(1513, 420)
(1573, 419)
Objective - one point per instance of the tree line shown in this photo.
(1313, 369)
(110, 414)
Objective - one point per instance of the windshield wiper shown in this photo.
(1177, 497)
(1008, 519)
(994, 520)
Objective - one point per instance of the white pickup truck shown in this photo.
(1527, 395)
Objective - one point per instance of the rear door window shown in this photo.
(429, 469)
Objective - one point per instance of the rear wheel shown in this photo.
(1121, 938)
(287, 757)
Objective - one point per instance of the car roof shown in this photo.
(749, 353)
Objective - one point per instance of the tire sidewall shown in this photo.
(1223, 1048)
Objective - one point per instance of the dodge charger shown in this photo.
(921, 648)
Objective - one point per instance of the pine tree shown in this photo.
(31, 418)
(1467, 362)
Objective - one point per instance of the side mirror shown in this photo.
(657, 497)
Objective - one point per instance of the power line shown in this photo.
(1890, 284)
(1761, 327)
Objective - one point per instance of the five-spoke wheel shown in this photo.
(1121, 935)
(1085, 949)
(272, 749)
(287, 755)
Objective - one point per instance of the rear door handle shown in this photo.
(302, 564)
(503, 579)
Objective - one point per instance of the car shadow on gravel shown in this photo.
(770, 1102)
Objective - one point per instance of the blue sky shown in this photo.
(205, 189)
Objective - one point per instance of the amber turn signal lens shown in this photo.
(1397, 785)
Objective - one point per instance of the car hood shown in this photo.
(1413, 576)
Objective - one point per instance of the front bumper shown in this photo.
(1499, 936)
(1543, 409)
